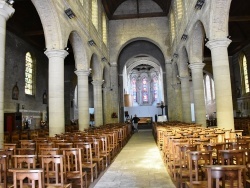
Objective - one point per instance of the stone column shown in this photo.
(198, 89)
(177, 102)
(56, 91)
(83, 99)
(177, 92)
(186, 104)
(222, 82)
(98, 102)
(6, 11)
(170, 90)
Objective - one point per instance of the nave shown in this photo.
(138, 165)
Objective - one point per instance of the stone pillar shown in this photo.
(98, 102)
(198, 89)
(170, 95)
(222, 82)
(176, 98)
(56, 91)
(186, 104)
(6, 11)
(83, 99)
(177, 102)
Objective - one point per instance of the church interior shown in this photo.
(75, 73)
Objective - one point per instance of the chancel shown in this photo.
(73, 74)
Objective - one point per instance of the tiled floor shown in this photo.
(138, 165)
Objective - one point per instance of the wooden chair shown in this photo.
(235, 157)
(73, 166)
(219, 172)
(34, 176)
(87, 161)
(3, 171)
(10, 146)
(104, 152)
(183, 171)
(53, 171)
(196, 160)
(96, 155)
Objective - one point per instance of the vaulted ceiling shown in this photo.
(26, 22)
(110, 7)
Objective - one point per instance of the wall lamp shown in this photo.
(206, 39)
(175, 55)
(104, 59)
(66, 48)
(184, 37)
(199, 4)
(10, 2)
(229, 37)
(91, 42)
(69, 13)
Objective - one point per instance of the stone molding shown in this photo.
(97, 82)
(6, 10)
(82, 72)
(56, 53)
(194, 66)
(218, 43)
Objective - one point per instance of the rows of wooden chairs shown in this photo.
(195, 155)
(65, 160)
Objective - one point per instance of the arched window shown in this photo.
(133, 83)
(81, 1)
(172, 24)
(245, 74)
(179, 7)
(209, 88)
(95, 13)
(29, 74)
(104, 29)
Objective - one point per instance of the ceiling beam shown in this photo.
(34, 33)
(140, 15)
(239, 18)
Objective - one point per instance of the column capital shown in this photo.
(56, 53)
(82, 72)
(193, 66)
(168, 62)
(184, 78)
(6, 10)
(215, 43)
(97, 82)
(113, 64)
(176, 86)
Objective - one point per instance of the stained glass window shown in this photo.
(29, 74)
(245, 74)
(134, 88)
(145, 90)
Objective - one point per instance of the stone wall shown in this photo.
(30, 106)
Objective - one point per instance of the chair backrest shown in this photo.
(24, 161)
(34, 176)
(49, 151)
(8, 154)
(25, 151)
(3, 170)
(53, 169)
(220, 171)
(10, 146)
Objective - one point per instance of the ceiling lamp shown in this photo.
(69, 13)
(199, 4)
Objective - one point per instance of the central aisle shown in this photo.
(138, 165)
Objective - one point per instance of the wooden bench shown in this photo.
(145, 123)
